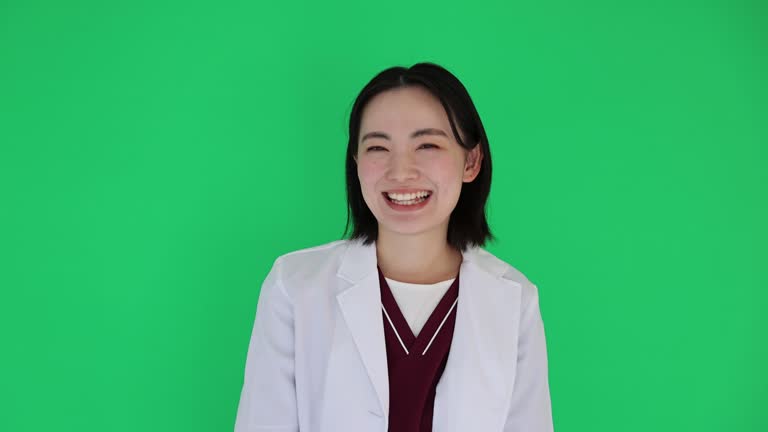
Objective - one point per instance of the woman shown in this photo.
(409, 325)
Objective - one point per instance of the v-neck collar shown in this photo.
(412, 343)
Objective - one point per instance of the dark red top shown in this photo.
(413, 375)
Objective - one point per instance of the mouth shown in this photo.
(411, 204)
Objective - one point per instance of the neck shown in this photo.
(425, 258)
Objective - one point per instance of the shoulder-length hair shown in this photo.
(467, 225)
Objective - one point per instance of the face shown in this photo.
(406, 146)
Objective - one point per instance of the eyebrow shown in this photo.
(415, 134)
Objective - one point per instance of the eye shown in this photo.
(430, 144)
(371, 148)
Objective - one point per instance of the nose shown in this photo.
(402, 168)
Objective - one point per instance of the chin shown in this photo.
(408, 228)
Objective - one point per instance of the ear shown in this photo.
(472, 164)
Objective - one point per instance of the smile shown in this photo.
(410, 203)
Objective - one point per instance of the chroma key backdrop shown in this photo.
(157, 156)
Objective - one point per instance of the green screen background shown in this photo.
(156, 157)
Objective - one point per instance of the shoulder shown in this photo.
(311, 263)
(505, 271)
(313, 253)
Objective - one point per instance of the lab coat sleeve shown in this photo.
(268, 396)
(530, 409)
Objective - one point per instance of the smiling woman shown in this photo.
(408, 324)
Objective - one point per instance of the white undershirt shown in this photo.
(417, 301)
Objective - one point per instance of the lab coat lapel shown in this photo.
(476, 385)
(360, 305)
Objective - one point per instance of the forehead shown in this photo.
(403, 109)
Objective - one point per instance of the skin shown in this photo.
(412, 246)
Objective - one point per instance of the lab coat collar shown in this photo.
(360, 261)
(482, 359)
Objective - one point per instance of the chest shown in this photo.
(350, 359)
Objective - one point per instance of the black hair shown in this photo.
(467, 224)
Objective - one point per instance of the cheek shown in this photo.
(447, 172)
(368, 172)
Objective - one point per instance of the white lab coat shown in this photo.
(317, 360)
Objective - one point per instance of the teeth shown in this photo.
(408, 196)
(410, 202)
